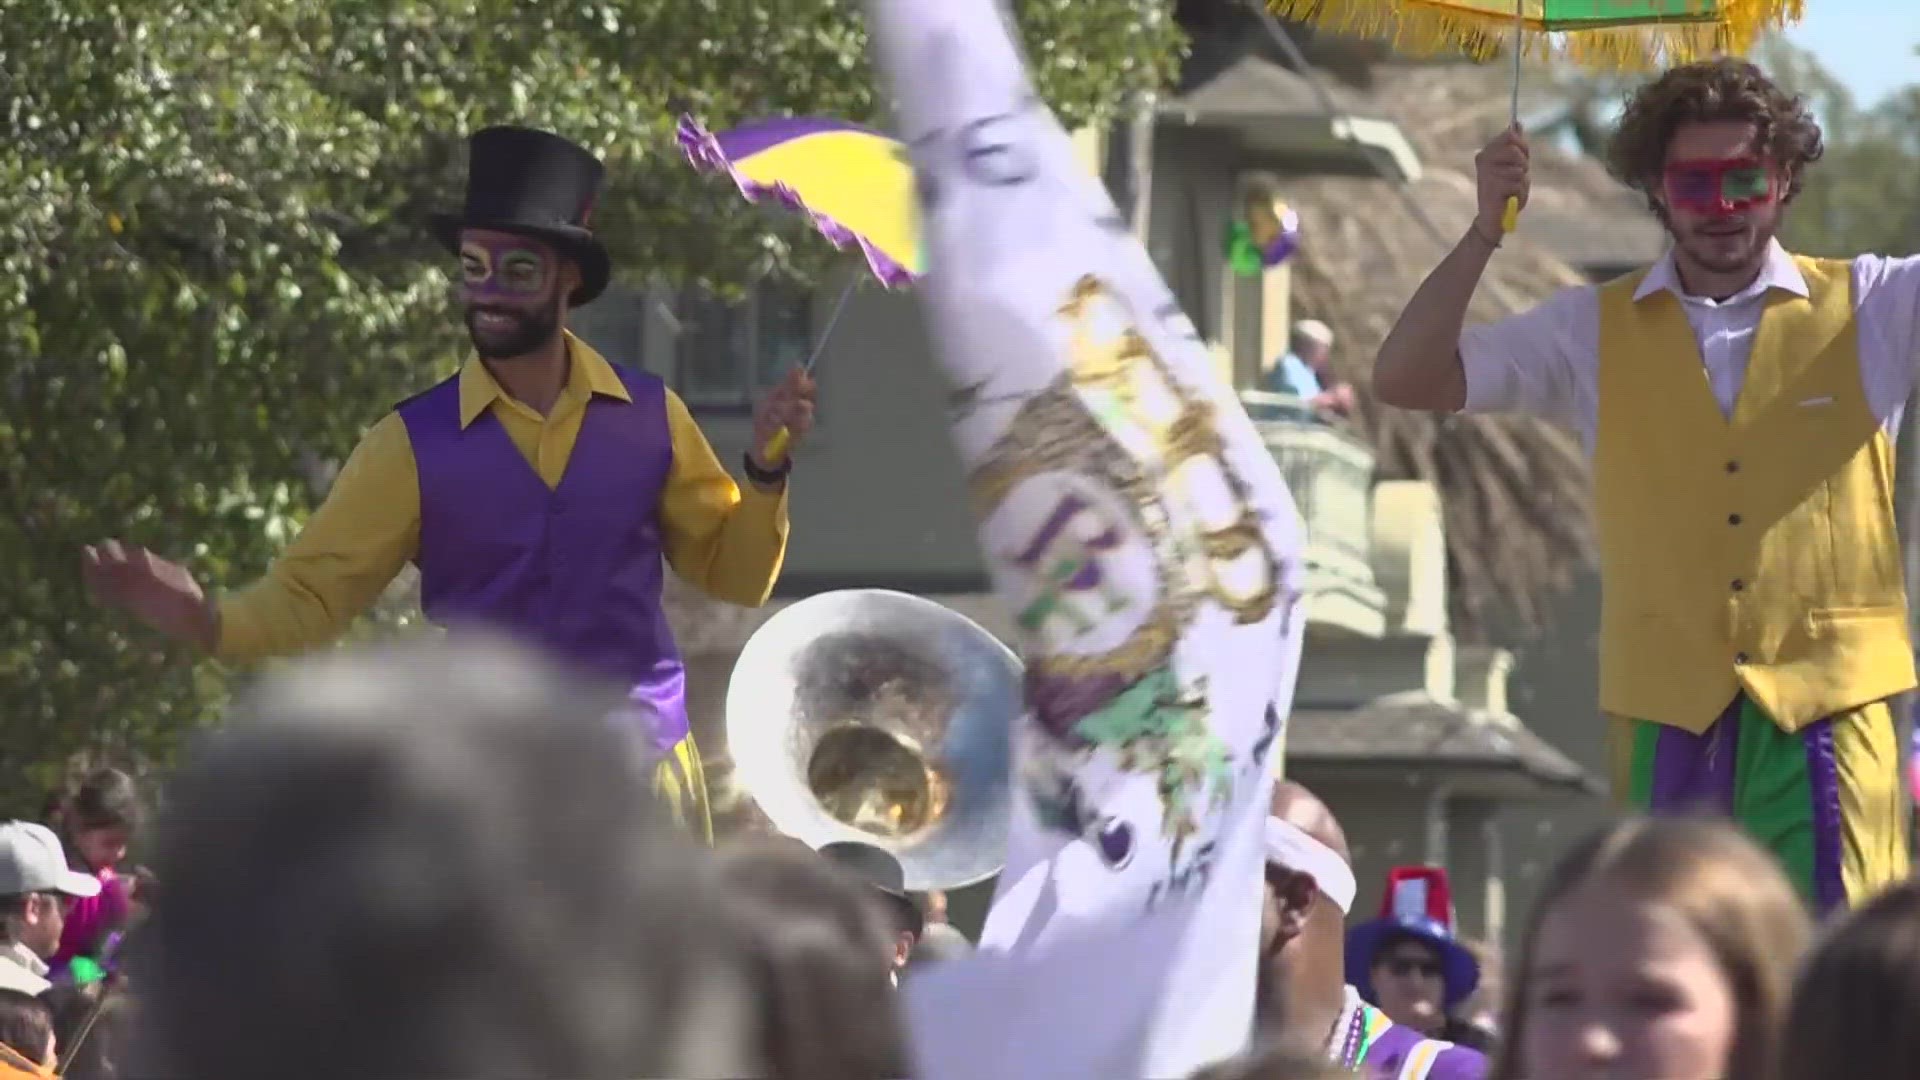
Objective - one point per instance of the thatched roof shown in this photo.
(1515, 490)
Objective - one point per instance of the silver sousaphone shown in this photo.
(881, 717)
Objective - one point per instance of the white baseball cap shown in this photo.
(31, 861)
(1313, 330)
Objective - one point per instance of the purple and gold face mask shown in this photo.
(505, 269)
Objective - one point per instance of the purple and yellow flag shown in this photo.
(854, 184)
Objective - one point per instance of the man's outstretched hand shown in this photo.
(159, 593)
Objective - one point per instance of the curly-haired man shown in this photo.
(1739, 404)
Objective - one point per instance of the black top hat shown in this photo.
(878, 870)
(538, 184)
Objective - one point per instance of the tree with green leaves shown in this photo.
(1864, 195)
(213, 271)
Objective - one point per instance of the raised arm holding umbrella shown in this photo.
(536, 490)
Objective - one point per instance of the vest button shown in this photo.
(1733, 519)
(1733, 466)
(1739, 658)
(1738, 584)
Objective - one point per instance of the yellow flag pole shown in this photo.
(1511, 219)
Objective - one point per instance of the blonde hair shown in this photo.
(1731, 892)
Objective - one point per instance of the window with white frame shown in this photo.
(728, 354)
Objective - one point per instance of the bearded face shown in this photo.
(1721, 200)
(515, 300)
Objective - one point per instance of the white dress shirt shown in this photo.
(1546, 361)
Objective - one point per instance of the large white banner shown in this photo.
(1139, 529)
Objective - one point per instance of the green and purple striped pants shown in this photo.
(1827, 800)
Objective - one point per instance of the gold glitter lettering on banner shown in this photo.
(1124, 369)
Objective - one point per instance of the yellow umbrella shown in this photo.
(1619, 35)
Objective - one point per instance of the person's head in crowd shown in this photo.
(886, 890)
(1719, 150)
(1312, 341)
(1409, 984)
(99, 819)
(1407, 961)
(827, 1009)
(1309, 888)
(26, 1035)
(433, 860)
(1658, 947)
(36, 888)
(1860, 990)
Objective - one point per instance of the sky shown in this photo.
(1869, 44)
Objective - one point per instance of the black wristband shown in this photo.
(766, 476)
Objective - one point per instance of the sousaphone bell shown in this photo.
(881, 717)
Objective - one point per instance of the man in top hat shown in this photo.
(881, 873)
(1408, 962)
(536, 490)
(1307, 1000)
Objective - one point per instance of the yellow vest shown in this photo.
(1755, 554)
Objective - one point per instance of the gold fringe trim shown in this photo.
(1432, 27)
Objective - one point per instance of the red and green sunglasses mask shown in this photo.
(1719, 188)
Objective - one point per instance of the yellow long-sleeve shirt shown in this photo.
(728, 543)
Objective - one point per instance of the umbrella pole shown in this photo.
(839, 306)
(777, 446)
(1511, 219)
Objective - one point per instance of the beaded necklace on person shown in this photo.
(1344, 1041)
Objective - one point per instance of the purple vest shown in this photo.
(575, 569)
(1387, 1055)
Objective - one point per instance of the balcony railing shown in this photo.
(1329, 470)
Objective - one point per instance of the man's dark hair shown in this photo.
(104, 799)
(1719, 89)
(447, 850)
(25, 1024)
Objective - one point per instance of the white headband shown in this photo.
(1289, 846)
